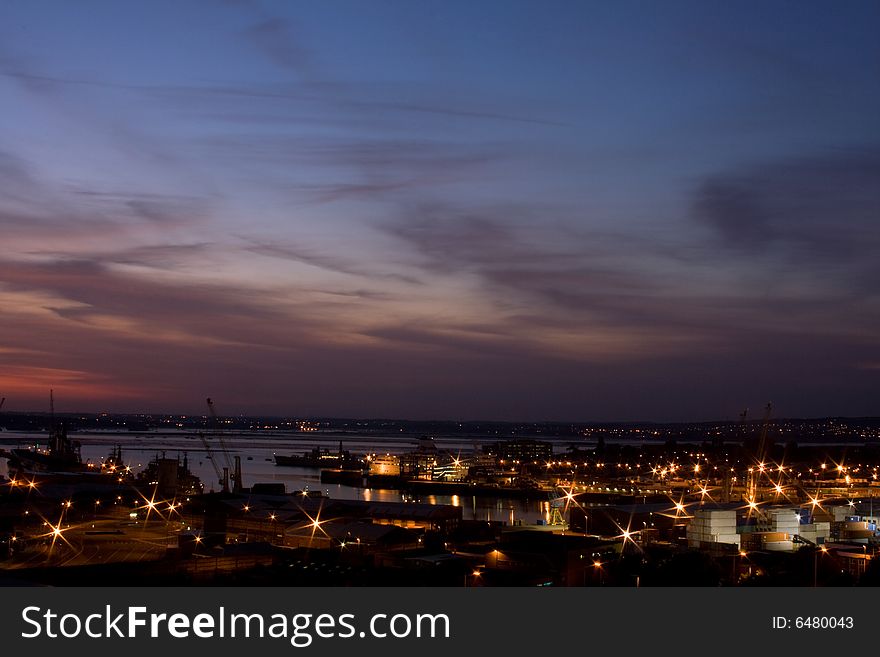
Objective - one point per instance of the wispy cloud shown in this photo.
(119, 302)
(560, 283)
(460, 213)
(38, 213)
(80, 386)
(811, 218)
(276, 37)
(322, 260)
(821, 207)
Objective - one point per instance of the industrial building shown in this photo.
(712, 526)
(522, 451)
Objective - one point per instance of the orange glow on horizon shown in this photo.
(30, 387)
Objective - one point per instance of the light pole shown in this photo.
(816, 553)
(815, 568)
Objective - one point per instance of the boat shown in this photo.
(321, 457)
(61, 455)
(169, 477)
(113, 463)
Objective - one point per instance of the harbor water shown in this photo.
(258, 466)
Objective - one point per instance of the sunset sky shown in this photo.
(462, 210)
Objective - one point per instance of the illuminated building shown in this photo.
(385, 465)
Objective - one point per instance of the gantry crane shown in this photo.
(762, 441)
(557, 505)
(760, 454)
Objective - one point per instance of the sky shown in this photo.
(576, 211)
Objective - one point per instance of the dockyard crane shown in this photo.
(221, 479)
(762, 441)
(236, 469)
(760, 455)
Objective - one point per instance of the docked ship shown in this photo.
(169, 477)
(321, 457)
(61, 455)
